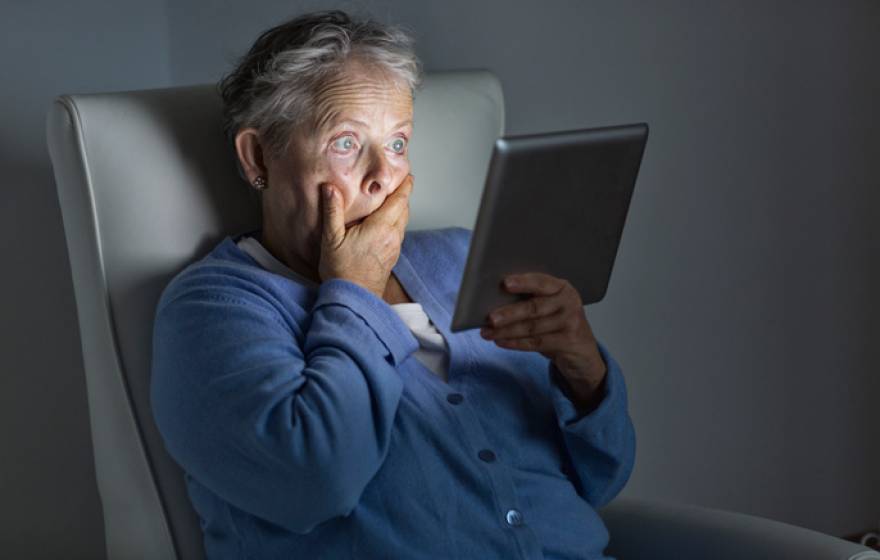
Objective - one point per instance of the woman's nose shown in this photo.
(379, 173)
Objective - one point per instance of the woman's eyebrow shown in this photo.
(365, 125)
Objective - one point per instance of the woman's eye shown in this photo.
(398, 145)
(343, 143)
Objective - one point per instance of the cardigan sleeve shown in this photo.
(290, 432)
(601, 444)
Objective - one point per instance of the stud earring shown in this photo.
(260, 183)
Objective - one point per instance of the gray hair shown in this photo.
(273, 87)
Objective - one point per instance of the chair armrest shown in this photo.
(661, 530)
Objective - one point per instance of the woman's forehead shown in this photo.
(360, 95)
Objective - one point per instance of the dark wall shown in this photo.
(742, 306)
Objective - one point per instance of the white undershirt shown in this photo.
(433, 351)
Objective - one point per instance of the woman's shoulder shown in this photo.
(226, 274)
(452, 241)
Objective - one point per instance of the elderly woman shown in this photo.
(304, 374)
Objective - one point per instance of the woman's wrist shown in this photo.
(585, 386)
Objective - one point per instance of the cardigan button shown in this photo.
(455, 398)
(486, 455)
(514, 518)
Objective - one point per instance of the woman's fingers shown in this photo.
(534, 283)
(534, 307)
(333, 226)
(395, 203)
(366, 252)
(404, 191)
(528, 327)
(402, 202)
(548, 322)
(564, 337)
(547, 344)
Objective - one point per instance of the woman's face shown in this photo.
(359, 144)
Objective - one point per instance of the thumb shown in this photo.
(333, 230)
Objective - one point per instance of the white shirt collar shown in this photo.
(255, 249)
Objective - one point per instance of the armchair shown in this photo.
(147, 184)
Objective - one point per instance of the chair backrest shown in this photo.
(147, 184)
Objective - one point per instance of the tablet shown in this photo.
(554, 203)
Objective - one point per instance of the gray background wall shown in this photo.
(741, 305)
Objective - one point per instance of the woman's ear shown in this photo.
(250, 154)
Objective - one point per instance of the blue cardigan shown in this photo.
(306, 429)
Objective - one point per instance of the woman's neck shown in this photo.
(288, 258)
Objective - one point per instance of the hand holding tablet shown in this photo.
(555, 204)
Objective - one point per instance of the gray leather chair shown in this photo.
(147, 185)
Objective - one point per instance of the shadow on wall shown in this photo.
(48, 474)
